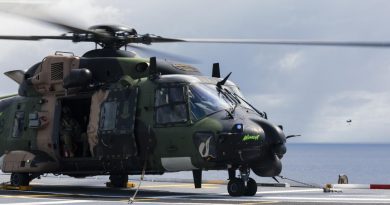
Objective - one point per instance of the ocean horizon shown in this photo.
(319, 164)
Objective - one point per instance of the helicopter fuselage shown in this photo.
(96, 116)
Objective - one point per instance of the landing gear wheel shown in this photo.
(251, 187)
(236, 187)
(118, 180)
(20, 179)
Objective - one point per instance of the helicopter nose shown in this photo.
(280, 150)
(268, 167)
(274, 149)
(274, 137)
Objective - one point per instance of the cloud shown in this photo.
(271, 101)
(291, 61)
(81, 13)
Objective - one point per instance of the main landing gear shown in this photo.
(23, 179)
(118, 180)
(242, 186)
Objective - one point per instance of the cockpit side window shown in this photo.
(205, 99)
(171, 105)
(162, 96)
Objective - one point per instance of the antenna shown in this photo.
(216, 71)
(222, 82)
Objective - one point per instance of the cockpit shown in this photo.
(206, 99)
(183, 103)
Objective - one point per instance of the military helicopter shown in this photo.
(111, 112)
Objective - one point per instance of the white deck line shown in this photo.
(327, 199)
(285, 191)
(51, 202)
(351, 186)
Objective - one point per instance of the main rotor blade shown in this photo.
(159, 39)
(62, 24)
(35, 38)
(161, 54)
(290, 42)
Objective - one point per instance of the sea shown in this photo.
(320, 164)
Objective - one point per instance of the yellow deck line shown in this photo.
(207, 186)
(32, 196)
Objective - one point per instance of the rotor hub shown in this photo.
(114, 30)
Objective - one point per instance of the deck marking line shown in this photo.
(171, 196)
(185, 203)
(31, 196)
(326, 199)
(261, 202)
(299, 199)
(50, 202)
(208, 186)
(286, 191)
(75, 194)
(290, 191)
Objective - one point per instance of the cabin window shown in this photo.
(171, 106)
(108, 115)
(18, 124)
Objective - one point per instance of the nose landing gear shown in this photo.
(242, 186)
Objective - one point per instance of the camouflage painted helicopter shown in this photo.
(111, 112)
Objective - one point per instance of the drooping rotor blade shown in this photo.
(289, 42)
(63, 25)
(114, 37)
(151, 38)
(35, 38)
(161, 54)
(377, 44)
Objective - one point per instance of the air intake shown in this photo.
(57, 71)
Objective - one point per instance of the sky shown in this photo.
(310, 90)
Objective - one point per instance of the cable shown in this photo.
(299, 182)
(132, 199)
